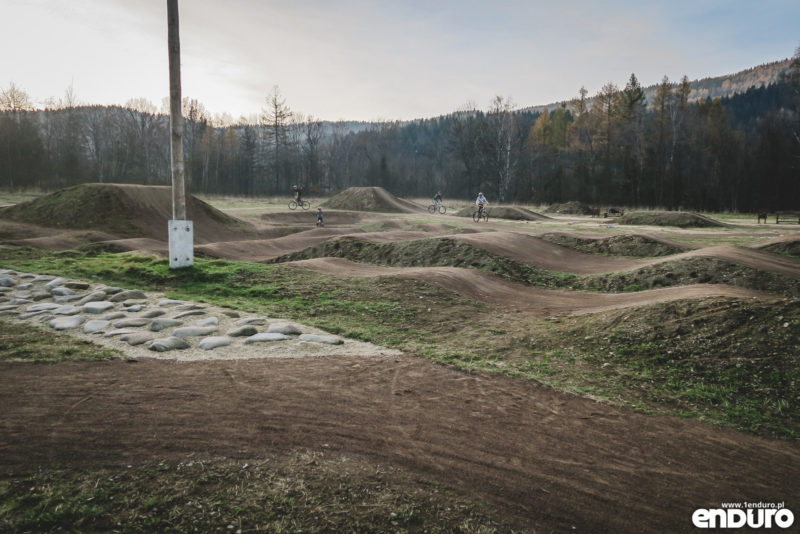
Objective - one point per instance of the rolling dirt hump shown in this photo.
(375, 199)
(680, 219)
(514, 213)
(123, 210)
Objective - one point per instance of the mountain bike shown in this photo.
(479, 214)
(433, 209)
(305, 204)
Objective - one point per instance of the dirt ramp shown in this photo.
(637, 245)
(513, 213)
(543, 254)
(124, 211)
(375, 199)
(680, 219)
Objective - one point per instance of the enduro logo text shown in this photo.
(737, 515)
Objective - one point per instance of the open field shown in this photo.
(562, 374)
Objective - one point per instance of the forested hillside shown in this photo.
(620, 146)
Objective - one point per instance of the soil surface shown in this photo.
(550, 461)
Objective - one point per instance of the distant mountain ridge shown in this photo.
(714, 87)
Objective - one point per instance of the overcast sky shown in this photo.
(380, 59)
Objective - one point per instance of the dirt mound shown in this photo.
(123, 211)
(635, 245)
(370, 199)
(513, 213)
(571, 208)
(789, 245)
(491, 289)
(680, 219)
(335, 217)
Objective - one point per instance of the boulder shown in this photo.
(165, 344)
(67, 323)
(214, 342)
(193, 331)
(265, 338)
(328, 340)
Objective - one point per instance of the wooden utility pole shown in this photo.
(181, 231)
(175, 117)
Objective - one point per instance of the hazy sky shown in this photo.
(380, 59)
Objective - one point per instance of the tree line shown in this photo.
(739, 153)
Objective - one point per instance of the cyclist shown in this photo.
(481, 202)
(437, 198)
(298, 194)
(320, 220)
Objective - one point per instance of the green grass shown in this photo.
(25, 342)
(301, 492)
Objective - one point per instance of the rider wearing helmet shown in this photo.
(320, 220)
(436, 199)
(481, 201)
(298, 193)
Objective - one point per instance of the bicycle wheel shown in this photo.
(485, 216)
(431, 209)
(476, 216)
(292, 205)
(306, 204)
(442, 209)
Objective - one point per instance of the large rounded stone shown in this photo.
(97, 307)
(328, 340)
(95, 325)
(214, 342)
(252, 320)
(284, 328)
(208, 321)
(132, 323)
(265, 338)
(193, 331)
(131, 294)
(94, 296)
(137, 338)
(160, 324)
(189, 313)
(69, 309)
(241, 331)
(165, 344)
(67, 323)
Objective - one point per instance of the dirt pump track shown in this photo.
(546, 461)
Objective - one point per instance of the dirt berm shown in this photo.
(125, 211)
(375, 199)
(514, 213)
(680, 219)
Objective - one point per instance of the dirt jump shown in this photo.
(541, 459)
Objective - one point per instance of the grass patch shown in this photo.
(301, 492)
(27, 342)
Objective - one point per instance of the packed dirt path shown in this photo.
(546, 461)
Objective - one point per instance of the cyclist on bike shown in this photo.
(298, 193)
(320, 220)
(481, 202)
(437, 198)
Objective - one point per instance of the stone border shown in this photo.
(147, 325)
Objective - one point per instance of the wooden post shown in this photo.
(181, 231)
(175, 117)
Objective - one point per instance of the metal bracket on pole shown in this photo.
(181, 243)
